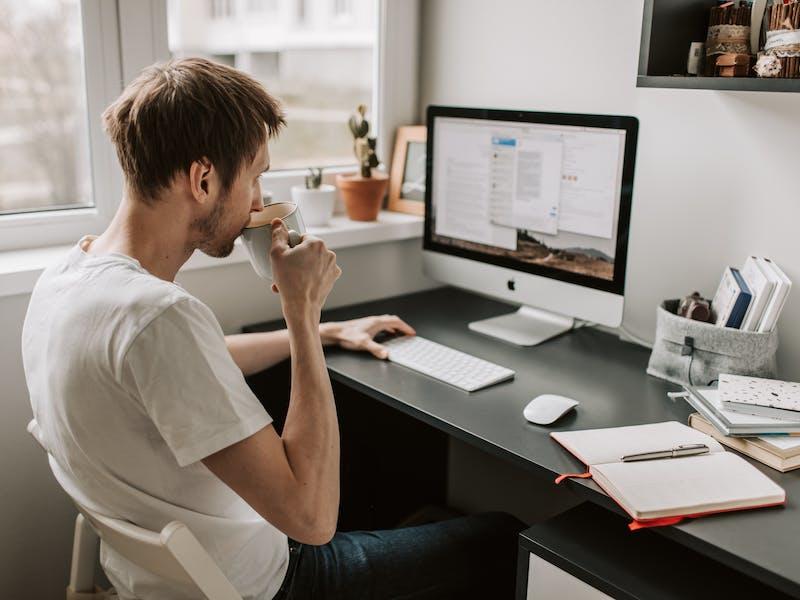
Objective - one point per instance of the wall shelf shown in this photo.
(668, 28)
(746, 84)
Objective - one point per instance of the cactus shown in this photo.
(363, 146)
(314, 178)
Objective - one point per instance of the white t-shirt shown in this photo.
(132, 385)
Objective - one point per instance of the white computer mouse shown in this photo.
(546, 408)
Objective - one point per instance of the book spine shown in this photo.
(761, 287)
(724, 298)
(776, 302)
(742, 302)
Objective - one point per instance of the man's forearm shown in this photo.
(254, 352)
(311, 432)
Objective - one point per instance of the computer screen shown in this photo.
(543, 193)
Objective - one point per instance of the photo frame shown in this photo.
(407, 179)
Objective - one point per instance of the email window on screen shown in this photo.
(543, 194)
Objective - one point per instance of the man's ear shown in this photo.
(199, 176)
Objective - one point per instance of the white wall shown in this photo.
(36, 518)
(716, 172)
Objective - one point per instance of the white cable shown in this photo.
(624, 333)
(632, 337)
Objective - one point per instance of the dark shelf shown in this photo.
(595, 546)
(744, 84)
(668, 28)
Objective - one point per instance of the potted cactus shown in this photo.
(363, 192)
(315, 199)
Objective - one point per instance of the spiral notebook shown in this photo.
(665, 491)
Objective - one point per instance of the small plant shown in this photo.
(314, 178)
(363, 146)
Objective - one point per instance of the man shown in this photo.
(142, 401)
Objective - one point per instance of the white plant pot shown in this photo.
(316, 205)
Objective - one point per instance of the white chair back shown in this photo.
(173, 554)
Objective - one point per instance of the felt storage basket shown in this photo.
(693, 352)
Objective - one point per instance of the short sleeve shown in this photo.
(180, 369)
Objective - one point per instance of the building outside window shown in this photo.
(342, 9)
(300, 50)
(221, 9)
(44, 140)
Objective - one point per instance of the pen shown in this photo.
(678, 451)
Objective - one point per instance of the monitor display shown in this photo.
(543, 193)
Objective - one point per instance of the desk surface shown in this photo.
(605, 374)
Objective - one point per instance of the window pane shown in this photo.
(315, 55)
(44, 143)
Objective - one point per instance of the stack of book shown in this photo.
(757, 417)
(751, 298)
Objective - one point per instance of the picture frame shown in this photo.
(407, 178)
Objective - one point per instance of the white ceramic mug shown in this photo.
(257, 236)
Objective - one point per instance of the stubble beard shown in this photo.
(208, 232)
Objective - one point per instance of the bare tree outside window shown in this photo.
(304, 53)
(44, 148)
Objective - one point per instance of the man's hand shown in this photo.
(359, 334)
(303, 275)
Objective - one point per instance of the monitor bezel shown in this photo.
(627, 123)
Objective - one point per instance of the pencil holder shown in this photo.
(693, 352)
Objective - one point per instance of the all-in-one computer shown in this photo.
(532, 208)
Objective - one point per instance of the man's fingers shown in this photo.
(280, 236)
(395, 323)
(376, 349)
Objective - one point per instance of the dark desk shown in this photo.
(604, 373)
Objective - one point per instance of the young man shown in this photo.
(142, 401)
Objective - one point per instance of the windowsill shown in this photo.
(19, 269)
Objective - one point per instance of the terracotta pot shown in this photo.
(363, 196)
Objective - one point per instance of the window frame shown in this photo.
(102, 74)
(115, 53)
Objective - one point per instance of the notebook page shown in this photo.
(685, 486)
(782, 442)
(598, 446)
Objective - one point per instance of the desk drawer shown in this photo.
(546, 580)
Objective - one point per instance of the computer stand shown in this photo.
(527, 326)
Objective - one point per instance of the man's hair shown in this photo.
(181, 111)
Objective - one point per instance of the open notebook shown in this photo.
(663, 491)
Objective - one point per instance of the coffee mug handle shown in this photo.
(294, 238)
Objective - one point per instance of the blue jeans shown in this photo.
(466, 557)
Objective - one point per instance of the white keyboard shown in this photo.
(451, 366)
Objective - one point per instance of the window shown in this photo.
(60, 67)
(320, 70)
(44, 138)
(66, 182)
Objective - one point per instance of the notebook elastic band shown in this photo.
(561, 478)
(662, 522)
